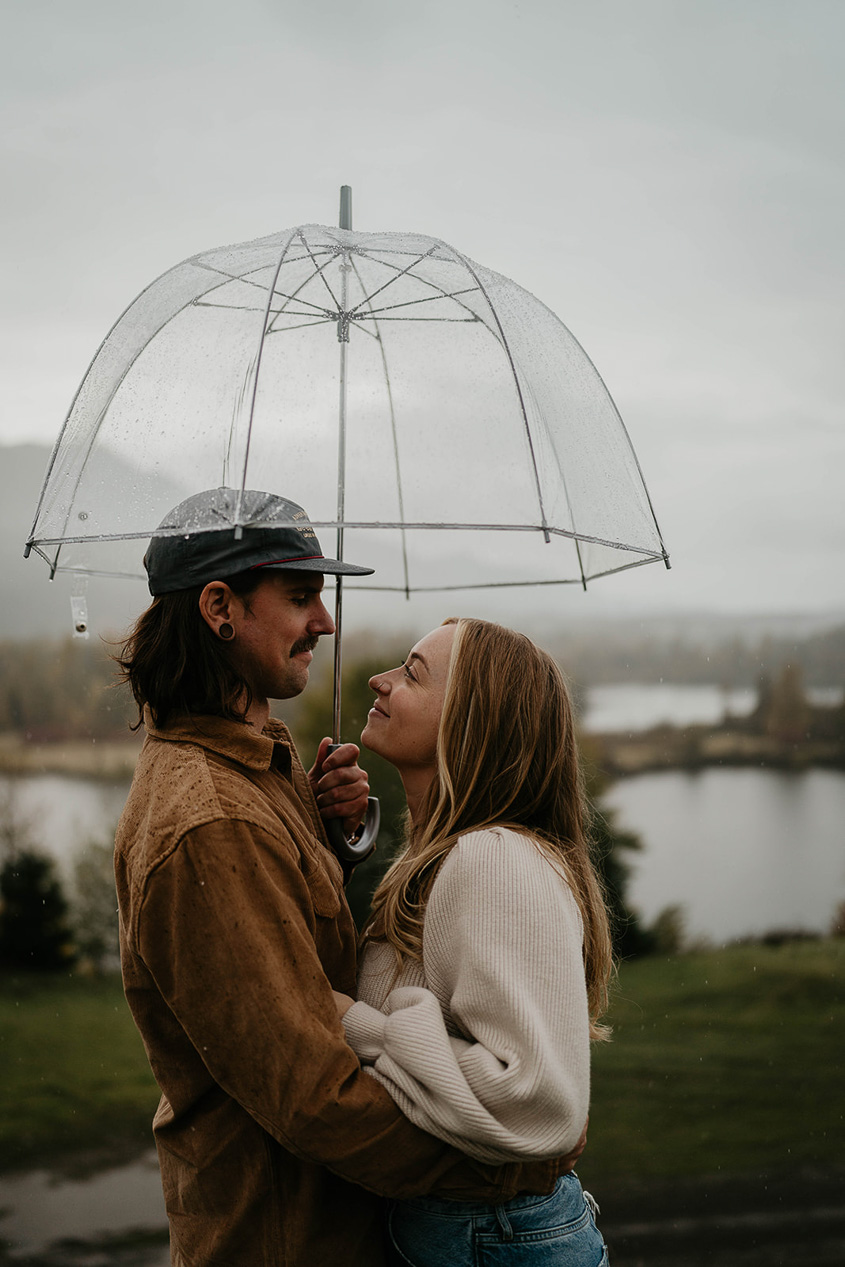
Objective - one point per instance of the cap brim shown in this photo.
(333, 567)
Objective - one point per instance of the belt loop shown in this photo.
(504, 1222)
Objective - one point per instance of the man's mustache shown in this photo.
(304, 644)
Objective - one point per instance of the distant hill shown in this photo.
(34, 606)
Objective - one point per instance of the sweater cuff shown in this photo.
(364, 1026)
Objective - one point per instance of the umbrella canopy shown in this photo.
(429, 408)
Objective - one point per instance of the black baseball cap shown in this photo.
(193, 550)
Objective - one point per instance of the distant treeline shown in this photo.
(51, 690)
(57, 689)
(628, 656)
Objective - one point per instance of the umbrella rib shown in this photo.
(313, 254)
(297, 296)
(229, 277)
(464, 321)
(277, 312)
(664, 554)
(96, 428)
(318, 271)
(202, 303)
(331, 255)
(205, 303)
(248, 281)
(517, 384)
(427, 299)
(297, 233)
(381, 589)
(433, 285)
(302, 325)
(569, 506)
(371, 334)
(368, 299)
(233, 277)
(491, 585)
(545, 528)
(394, 435)
(237, 405)
(272, 328)
(238, 526)
(245, 277)
(297, 293)
(370, 526)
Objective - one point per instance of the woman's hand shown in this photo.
(343, 1003)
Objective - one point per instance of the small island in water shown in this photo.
(785, 730)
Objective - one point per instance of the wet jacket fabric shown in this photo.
(234, 930)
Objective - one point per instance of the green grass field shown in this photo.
(73, 1073)
(730, 1060)
(727, 1061)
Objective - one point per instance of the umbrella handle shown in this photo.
(351, 851)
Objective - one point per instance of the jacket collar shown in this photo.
(234, 740)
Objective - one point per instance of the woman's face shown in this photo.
(402, 725)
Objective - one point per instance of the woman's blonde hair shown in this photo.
(506, 756)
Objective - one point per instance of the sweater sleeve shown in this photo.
(500, 1066)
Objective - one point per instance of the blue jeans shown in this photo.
(529, 1231)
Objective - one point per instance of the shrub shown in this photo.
(34, 929)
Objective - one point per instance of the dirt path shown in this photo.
(790, 1218)
(787, 1218)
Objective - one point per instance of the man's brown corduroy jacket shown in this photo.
(234, 931)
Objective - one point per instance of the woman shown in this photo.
(486, 961)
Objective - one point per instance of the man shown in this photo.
(233, 923)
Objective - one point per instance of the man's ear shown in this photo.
(217, 605)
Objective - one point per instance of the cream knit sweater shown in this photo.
(486, 1043)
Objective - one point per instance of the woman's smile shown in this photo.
(411, 698)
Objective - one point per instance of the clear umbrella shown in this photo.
(435, 416)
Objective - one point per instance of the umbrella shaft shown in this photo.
(341, 452)
(341, 509)
(338, 615)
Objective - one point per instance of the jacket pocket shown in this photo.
(324, 895)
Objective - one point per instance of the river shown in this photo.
(741, 851)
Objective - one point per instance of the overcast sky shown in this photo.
(667, 175)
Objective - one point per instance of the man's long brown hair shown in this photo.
(173, 662)
(506, 756)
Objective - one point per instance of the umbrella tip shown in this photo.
(345, 221)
